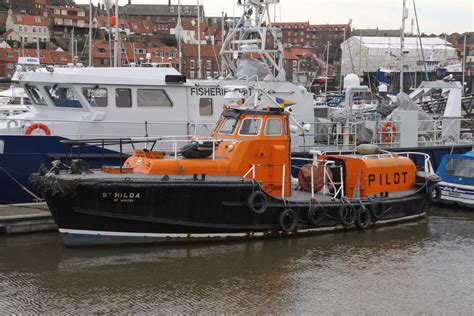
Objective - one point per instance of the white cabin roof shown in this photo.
(410, 42)
(98, 75)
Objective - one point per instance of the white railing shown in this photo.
(430, 133)
(428, 167)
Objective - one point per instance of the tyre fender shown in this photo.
(257, 202)
(347, 214)
(288, 220)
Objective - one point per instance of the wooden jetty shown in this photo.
(25, 218)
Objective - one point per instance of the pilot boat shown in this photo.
(240, 186)
(457, 185)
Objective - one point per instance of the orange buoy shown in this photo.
(36, 126)
(389, 132)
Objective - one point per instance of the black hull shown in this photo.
(123, 212)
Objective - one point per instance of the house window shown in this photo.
(295, 63)
(37, 19)
(101, 50)
(10, 55)
(10, 66)
(123, 98)
(159, 53)
(81, 13)
(192, 64)
(191, 74)
(19, 18)
(172, 9)
(149, 97)
(58, 21)
(34, 29)
(208, 74)
(57, 11)
(80, 23)
(63, 58)
(205, 106)
(96, 96)
(25, 28)
(172, 54)
(63, 12)
(208, 64)
(21, 28)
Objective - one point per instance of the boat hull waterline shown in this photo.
(129, 211)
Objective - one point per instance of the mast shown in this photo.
(222, 43)
(464, 64)
(90, 33)
(327, 70)
(199, 42)
(179, 36)
(402, 44)
(117, 38)
(340, 75)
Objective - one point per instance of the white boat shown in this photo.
(14, 101)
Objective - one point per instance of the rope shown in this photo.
(35, 197)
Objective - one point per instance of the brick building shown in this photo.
(35, 7)
(210, 61)
(63, 19)
(27, 28)
(161, 13)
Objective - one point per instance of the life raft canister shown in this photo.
(389, 132)
(36, 126)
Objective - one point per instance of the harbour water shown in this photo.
(423, 267)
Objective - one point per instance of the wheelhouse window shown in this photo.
(460, 167)
(273, 127)
(228, 127)
(97, 97)
(149, 97)
(205, 106)
(123, 98)
(250, 127)
(63, 97)
(35, 95)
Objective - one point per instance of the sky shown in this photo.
(435, 16)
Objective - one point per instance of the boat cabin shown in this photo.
(457, 169)
(249, 143)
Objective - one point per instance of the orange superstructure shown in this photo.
(255, 144)
(376, 175)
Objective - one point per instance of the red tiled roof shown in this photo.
(24, 19)
(5, 54)
(60, 58)
(8, 32)
(45, 59)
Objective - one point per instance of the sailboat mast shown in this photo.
(402, 44)
(90, 33)
(199, 41)
(179, 36)
(464, 65)
(117, 38)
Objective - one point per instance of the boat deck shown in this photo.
(302, 196)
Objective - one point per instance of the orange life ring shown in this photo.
(40, 126)
(389, 132)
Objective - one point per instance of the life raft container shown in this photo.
(389, 132)
(36, 126)
(197, 150)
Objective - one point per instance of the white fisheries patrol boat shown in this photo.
(78, 103)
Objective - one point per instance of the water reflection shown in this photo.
(409, 268)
